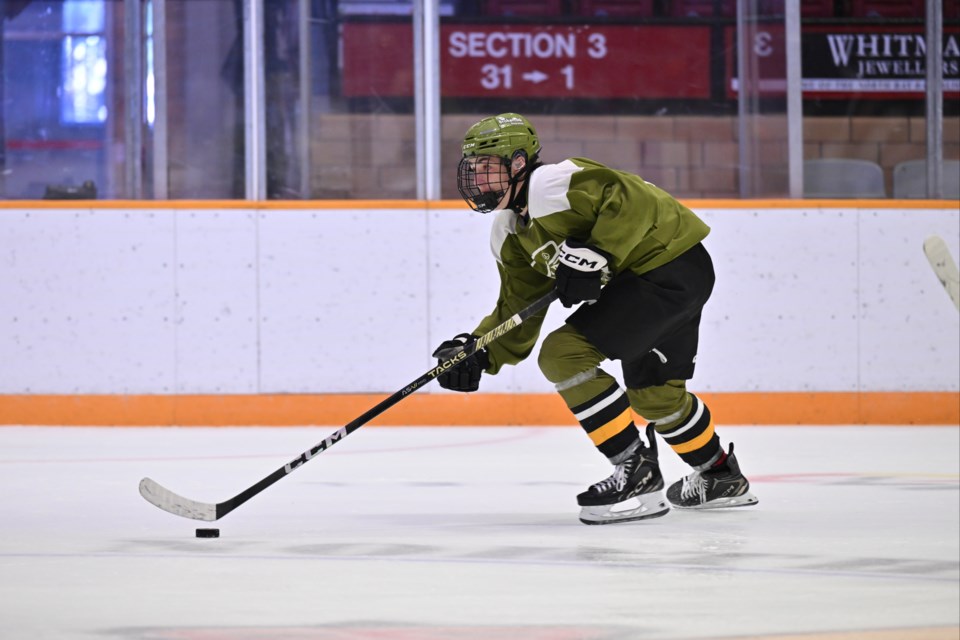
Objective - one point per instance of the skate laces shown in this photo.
(616, 481)
(694, 485)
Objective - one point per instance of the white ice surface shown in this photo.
(469, 533)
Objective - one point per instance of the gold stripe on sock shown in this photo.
(696, 443)
(612, 428)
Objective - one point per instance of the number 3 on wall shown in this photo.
(598, 46)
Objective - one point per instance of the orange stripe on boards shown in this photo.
(73, 205)
(280, 410)
(783, 203)
(477, 409)
(825, 408)
(693, 203)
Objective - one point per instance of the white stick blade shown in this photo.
(943, 265)
(169, 501)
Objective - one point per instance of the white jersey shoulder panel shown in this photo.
(504, 223)
(548, 188)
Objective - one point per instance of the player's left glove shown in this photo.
(465, 375)
(579, 272)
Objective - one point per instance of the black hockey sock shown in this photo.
(608, 421)
(693, 438)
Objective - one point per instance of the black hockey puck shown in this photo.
(208, 533)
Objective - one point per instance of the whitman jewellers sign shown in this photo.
(841, 62)
(884, 60)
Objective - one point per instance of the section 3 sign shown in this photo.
(554, 61)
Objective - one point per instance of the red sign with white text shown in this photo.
(538, 61)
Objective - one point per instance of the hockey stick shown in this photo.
(943, 265)
(167, 500)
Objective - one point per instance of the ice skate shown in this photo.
(633, 492)
(716, 488)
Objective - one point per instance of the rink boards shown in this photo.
(219, 313)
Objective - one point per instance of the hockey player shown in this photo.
(631, 257)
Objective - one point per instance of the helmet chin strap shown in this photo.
(512, 200)
(518, 194)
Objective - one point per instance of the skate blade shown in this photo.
(649, 505)
(746, 500)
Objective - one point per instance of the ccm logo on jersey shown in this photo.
(581, 258)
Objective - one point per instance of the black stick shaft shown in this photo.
(225, 507)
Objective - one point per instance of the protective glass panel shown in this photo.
(57, 109)
(96, 102)
(361, 122)
(676, 119)
(864, 98)
(759, 79)
(81, 92)
(285, 31)
(638, 85)
(204, 91)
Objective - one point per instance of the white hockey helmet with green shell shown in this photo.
(481, 183)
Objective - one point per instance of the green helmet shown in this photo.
(502, 136)
(483, 183)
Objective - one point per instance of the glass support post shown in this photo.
(255, 157)
(934, 98)
(426, 45)
(746, 97)
(161, 173)
(133, 74)
(794, 99)
(303, 124)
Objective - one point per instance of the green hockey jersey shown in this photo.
(639, 225)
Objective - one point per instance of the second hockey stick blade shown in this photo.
(943, 266)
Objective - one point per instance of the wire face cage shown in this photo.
(482, 181)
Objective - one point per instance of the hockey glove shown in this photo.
(579, 273)
(465, 375)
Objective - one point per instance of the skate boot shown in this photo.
(633, 492)
(714, 488)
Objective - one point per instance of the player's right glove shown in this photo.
(465, 375)
(579, 273)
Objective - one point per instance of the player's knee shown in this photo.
(550, 360)
(660, 402)
(565, 353)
